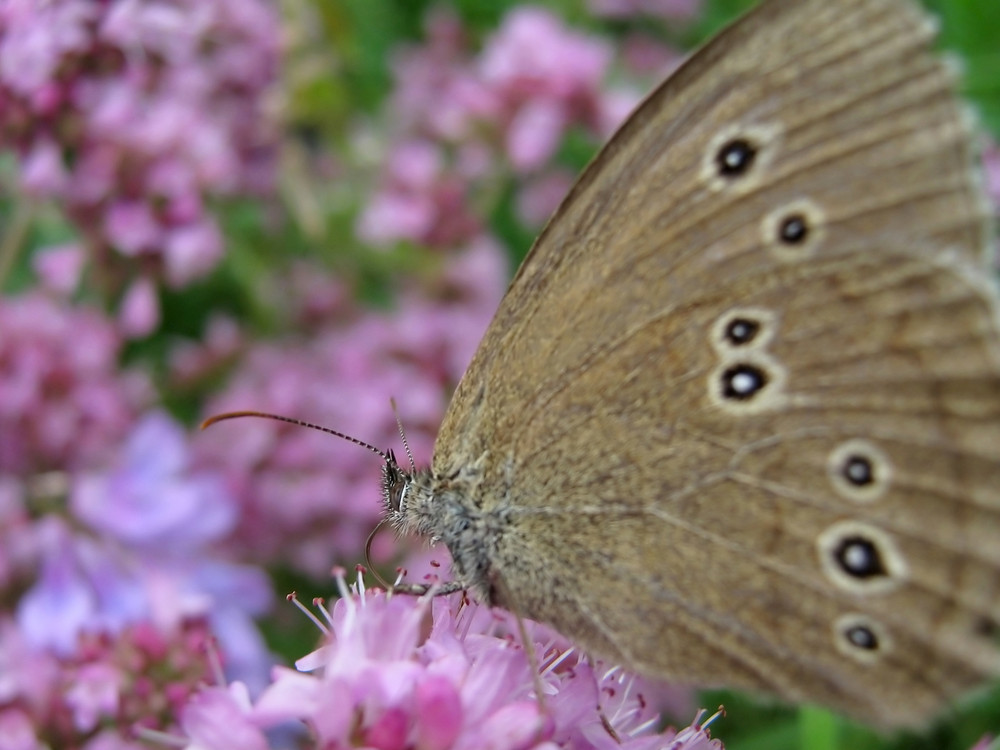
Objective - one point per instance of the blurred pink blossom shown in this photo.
(387, 678)
(160, 105)
(139, 312)
(458, 117)
(95, 698)
(64, 401)
(59, 267)
(671, 10)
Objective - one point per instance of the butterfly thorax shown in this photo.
(443, 510)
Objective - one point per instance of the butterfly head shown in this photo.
(395, 485)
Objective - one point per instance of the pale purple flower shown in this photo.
(191, 251)
(218, 718)
(131, 227)
(419, 201)
(532, 55)
(43, 172)
(384, 680)
(59, 267)
(64, 402)
(161, 105)
(459, 116)
(17, 731)
(671, 10)
(139, 311)
(94, 694)
(152, 499)
(96, 697)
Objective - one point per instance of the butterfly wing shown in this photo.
(740, 406)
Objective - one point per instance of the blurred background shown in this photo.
(306, 207)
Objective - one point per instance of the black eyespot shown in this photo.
(858, 470)
(741, 331)
(743, 382)
(794, 229)
(735, 157)
(859, 558)
(862, 636)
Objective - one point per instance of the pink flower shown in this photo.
(94, 694)
(64, 402)
(17, 731)
(161, 105)
(132, 227)
(43, 172)
(218, 718)
(383, 680)
(191, 251)
(59, 266)
(139, 313)
(672, 10)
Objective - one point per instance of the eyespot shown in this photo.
(743, 328)
(743, 381)
(741, 331)
(861, 558)
(861, 638)
(737, 156)
(859, 471)
(794, 230)
(747, 384)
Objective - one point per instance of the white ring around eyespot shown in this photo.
(770, 228)
(897, 571)
(881, 471)
(852, 620)
(763, 136)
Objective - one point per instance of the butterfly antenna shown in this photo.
(402, 435)
(264, 415)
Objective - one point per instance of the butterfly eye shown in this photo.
(395, 483)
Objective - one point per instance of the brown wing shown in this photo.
(742, 400)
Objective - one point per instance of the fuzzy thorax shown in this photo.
(446, 509)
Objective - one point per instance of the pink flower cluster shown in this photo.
(64, 401)
(310, 499)
(671, 10)
(133, 113)
(459, 117)
(98, 697)
(387, 678)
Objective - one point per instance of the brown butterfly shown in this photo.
(737, 419)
